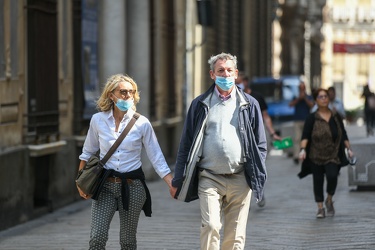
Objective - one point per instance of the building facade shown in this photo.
(348, 55)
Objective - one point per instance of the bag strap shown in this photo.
(120, 138)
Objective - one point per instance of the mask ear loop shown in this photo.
(115, 96)
(112, 99)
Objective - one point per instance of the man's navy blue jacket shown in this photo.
(252, 135)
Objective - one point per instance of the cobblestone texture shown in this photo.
(286, 222)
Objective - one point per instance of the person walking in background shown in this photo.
(323, 144)
(224, 140)
(243, 81)
(369, 109)
(335, 104)
(302, 105)
(125, 190)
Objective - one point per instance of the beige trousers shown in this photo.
(223, 198)
(298, 128)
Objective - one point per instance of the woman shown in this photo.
(323, 142)
(125, 189)
(369, 109)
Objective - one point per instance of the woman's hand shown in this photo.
(351, 157)
(82, 194)
(302, 154)
(350, 153)
(172, 190)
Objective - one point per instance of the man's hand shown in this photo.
(172, 191)
(276, 137)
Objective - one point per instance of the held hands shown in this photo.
(172, 191)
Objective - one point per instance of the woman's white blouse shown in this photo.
(127, 157)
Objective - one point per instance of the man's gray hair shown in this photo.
(222, 56)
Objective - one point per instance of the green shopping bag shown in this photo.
(286, 142)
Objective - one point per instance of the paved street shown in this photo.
(286, 222)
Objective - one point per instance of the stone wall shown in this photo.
(16, 187)
(31, 186)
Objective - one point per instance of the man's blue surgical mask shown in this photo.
(224, 83)
(124, 105)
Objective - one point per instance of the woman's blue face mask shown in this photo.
(124, 105)
(224, 83)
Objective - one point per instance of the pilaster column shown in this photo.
(112, 43)
(138, 48)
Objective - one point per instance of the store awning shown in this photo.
(354, 48)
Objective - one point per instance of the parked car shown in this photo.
(277, 92)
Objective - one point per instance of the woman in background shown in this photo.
(323, 142)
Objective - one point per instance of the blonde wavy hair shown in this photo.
(104, 102)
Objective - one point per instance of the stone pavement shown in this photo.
(286, 222)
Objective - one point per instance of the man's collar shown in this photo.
(222, 97)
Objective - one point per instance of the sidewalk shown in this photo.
(286, 222)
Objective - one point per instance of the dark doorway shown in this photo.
(42, 54)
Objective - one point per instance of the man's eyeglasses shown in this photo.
(127, 91)
(320, 97)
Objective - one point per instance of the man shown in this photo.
(303, 103)
(335, 104)
(224, 142)
(369, 109)
(243, 81)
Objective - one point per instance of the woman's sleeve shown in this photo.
(91, 144)
(308, 126)
(153, 150)
(344, 134)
